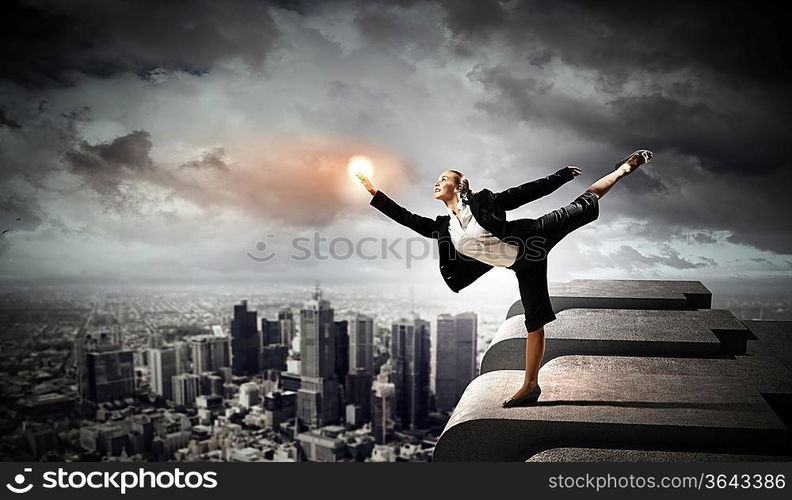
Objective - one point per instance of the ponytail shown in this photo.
(464, 187)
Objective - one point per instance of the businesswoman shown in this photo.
(474, 236)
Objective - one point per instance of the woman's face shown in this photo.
(445, 185)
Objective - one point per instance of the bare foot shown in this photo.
(640, 157)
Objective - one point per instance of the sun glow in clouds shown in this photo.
(360, 164)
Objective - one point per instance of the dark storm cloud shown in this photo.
(749, 42)
(48, 43)
(7, 121)
(735, 137)
(401, 30)
(738, 58)
(630, 259)
(106, 165)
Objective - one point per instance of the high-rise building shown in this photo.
(209, 353)
(110, 375)
(410, 352)
(357, 387)
(270, 332)
(273, 357)
(201, 359)
(357, 391)
(182, 357)
(245, 343)
(84, 343)
(361, 344)
(279, 407)
(318, 396)
(454, 357)
(287, 326)
(162, 367)
(341, 349)
(383, 406)
(185, 389)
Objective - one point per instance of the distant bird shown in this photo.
(5, 231)
(19, 218)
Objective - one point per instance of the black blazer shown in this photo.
(489, 209)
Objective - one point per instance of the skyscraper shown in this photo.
(111, 375)
(341, 342)
(357, 391)
(87, 342)
(279, 407)
(318, 396)
(287, 326)
(245, 345)
(358, 380)
(162, 365)
(182, 357)
(270, 332)
(454, 357)
(410, 353)
(209, 353)
(361, 344)
(273, 357)
(383, 406)
(185, 389)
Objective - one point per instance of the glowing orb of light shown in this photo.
(360, 164)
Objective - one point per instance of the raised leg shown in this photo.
(604, 184)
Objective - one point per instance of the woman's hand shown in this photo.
(575, 171)
(366, 183)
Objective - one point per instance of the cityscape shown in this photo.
(185, 377)
(289, 376)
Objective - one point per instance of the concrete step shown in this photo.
(769, 338)
(624, 294)
(616, 455)
(705, 333)
(613, 401)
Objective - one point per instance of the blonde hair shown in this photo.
(464, 193)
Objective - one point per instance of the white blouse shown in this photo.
(470, 239)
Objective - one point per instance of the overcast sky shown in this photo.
(164, 142)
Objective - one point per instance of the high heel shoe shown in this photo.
(529, 398)
(644, 154)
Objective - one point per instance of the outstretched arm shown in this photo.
(422, 225)
(524, 193)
